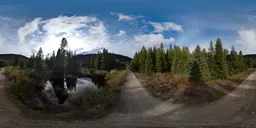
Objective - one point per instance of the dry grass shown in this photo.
(181, 90)
(115, 78)
(179, 81)
(163, 85)
(97, 103)
(94, 103)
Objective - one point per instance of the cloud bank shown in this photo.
(247, 38)
(85, 34)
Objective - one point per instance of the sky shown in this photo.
(124, 26)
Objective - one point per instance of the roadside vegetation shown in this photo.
(179, 76)
(26, 82)
(97, 103)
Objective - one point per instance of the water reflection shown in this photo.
(71, 86)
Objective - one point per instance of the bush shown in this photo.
(98, 101)
(24, 84)
(95, 101)
(177, 81)
(115, 78)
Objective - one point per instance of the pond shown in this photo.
(60, 94)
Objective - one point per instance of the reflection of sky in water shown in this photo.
(82, 83)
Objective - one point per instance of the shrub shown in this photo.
(24, 84)
(115, 78)
(94, 102)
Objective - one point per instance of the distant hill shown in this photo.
(115, 61)
(11, 57)
(88, 57)
(252, 56)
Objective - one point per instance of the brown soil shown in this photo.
(139, 109)
(192, 92)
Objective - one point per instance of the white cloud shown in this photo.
(83, 32)
(129, 46)
(247, 38)
(28, 28)
(123, 17)
(121, 32)
(166, 26)
(150, 40)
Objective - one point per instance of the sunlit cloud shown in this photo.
(123, 17)
(247, 38)
(82, 32)
(121, 32)
(166, 26)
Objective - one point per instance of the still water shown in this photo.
(81, 84)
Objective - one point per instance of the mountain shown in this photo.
(88, 57)
(252, 56)
(11, 57)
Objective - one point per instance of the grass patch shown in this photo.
(179, 89)
(94, 103)
(87, 104)
(239, 78)
(22, 87)
(115, 78)
(163, 85)
(99, 102)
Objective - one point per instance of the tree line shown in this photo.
(104, 61)
(214, 63)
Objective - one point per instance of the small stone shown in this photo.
(252, 112)
(1, 110)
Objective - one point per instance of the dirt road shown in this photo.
(139, 109)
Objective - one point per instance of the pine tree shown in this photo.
(176, 60)
(220, 61)
(149, 65)
(233, 61)
(185, 54)
(143, 57)
(40, 65)
(160, 64)
(212, 61)
(52, 59)
(31, 62)
(154, 57)
(170, 58)
(65, 70)
(226, 52)
(241, 62)
(96, 63)
(163, 58)
(200, 60)
(135, 62)
(104, 60)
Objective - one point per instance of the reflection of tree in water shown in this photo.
(71, 83)
(64, 71)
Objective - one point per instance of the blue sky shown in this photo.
(123, 26)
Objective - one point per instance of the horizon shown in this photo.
(123, 27)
